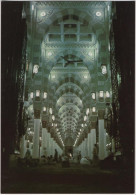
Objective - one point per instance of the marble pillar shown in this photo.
(22, 147)
(102, 138)
(93, 140)
(44, 138)
(89, 146)
(35, 153)
(113, 145)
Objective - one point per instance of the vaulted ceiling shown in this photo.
(68, 58)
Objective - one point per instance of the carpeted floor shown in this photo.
(75, 179)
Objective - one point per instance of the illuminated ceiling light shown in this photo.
(109, 47)
(93, 96)
(107, 94)
(80, 129)
(44, 109)
(104, 69)
(85, 117)
(43, 14)
(32, 95)
(85, 76)
(87, 111)
(50, 110)
(35, 69)
(44, 95)
(98, 14)
(32, 7)
(52, 124)
(101, 94)
(49, 54)
(85, 124)
(93, 109)
(82, 125)
(37, 93)
(53, 117)
(90, 53)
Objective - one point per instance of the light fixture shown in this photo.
(44, 95)
(50, 110)
(35, 68)
(32, 7)
(101, 94)
(31, 95)
(107, 94)
(43, 14)
(53, 117)
(87, 111)
(80, 129)
(49, 53)
(85, 117)
(52, 124)
(85, 125)
(98, 14)
(90, 53)
(37, 93)
(104, 69)
(93, 109)
(82, 125)
(44, 109)
(93, 96)
(109, 47)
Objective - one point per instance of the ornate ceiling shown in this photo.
(69, 41)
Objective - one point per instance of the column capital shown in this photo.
(101, 114)
(44, 124)
(37, 114)
(93, 125)
(93, 118)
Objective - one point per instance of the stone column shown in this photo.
(25, 146)
(81, 149)
(35, 153)
(93, 140)
(30, 147)
(86, 149)
(113, 145)
(22, 147)
(49, 145)
(44, 138)
(102, 135)
(89, 146)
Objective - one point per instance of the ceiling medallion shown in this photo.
(43, 14)
(98, 14)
